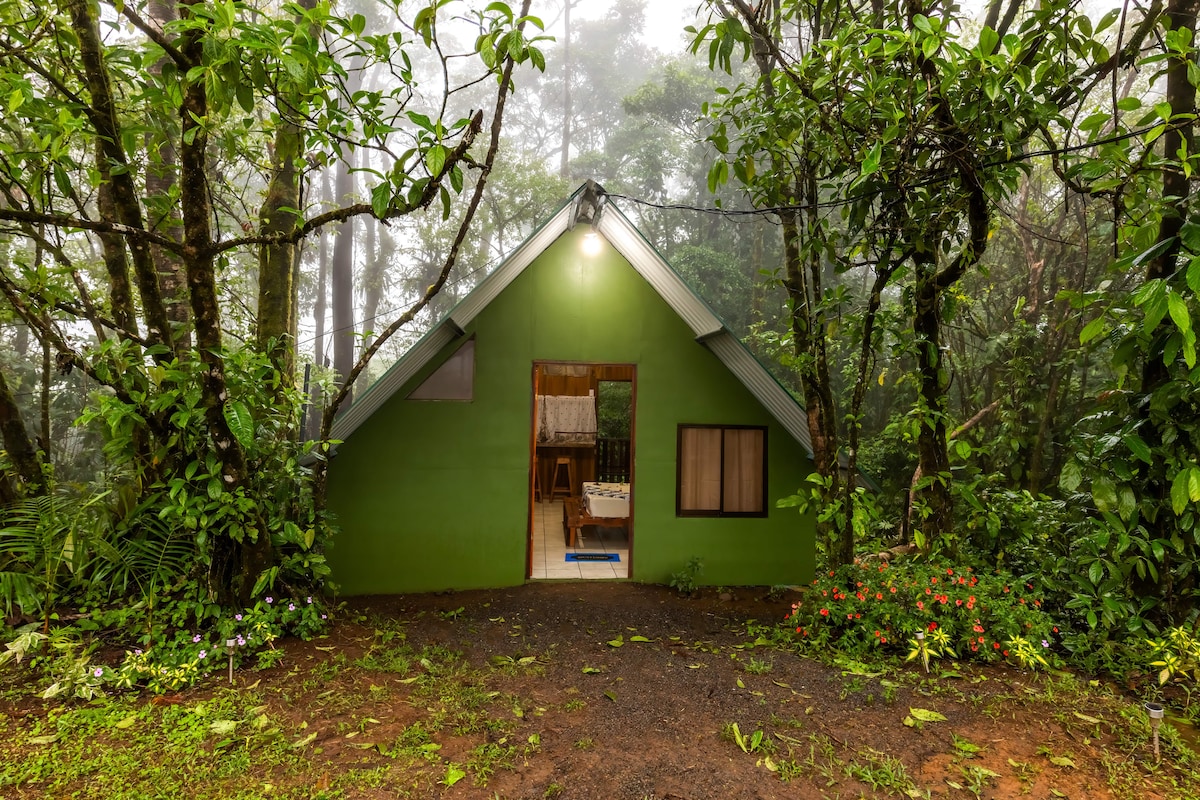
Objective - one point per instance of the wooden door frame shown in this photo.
(531, 495)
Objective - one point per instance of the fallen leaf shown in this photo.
(296, 745)
(1062, 761)
(1088, 718)
(925, 715)
(740, 685)
(610, 694)
(222, 727)
(591, 670)
(638, 639)
(127, 722)
(51, 739)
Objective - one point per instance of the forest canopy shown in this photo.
(966, 244)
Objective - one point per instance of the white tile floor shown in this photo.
(550, 548)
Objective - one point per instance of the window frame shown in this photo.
(720, 512)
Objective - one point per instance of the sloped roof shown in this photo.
(624, 236)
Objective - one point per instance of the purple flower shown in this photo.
(98, 672)
(323, 616)
(1045, 643)
(241, 641)
(291, 606)
(196, 639)
(137, 652)
(310, 600)
(270, 600)
(238, 617)
(203, 653)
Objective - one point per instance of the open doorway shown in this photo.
(581, 471)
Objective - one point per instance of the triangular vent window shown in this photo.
(454, 380)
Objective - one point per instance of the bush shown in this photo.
(862, 609)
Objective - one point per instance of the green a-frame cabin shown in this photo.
(439, 473)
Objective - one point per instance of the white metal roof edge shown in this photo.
(762, 384)
(490, 287)
(629, 242)
(381, 391)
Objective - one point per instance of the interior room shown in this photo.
(581, 518)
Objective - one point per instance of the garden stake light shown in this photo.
(1155, 710)
(924, 650)
(230, 646)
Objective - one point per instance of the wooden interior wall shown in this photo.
(573, 380)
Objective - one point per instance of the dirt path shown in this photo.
(653, 719)
(586, 691)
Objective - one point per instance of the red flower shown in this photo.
(981, 640)
(978, 628)
(995, 645)
(933, 626)
(958, 602)
(824, 612)
(928, 590)
(884, 640)
(858, 616)
(949, 572)
(920, 605)
(1055, 629)
(893, 590)
(1006, 654)
(879, 595)
(933, 580)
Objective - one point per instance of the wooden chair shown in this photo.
(567, 474)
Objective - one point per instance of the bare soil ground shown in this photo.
(609, 690)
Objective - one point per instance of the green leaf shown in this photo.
(1179, 312)
(1104, 493)
(1138, 447)
(610, 694)
(617, 642)
(1071, 476)
(988, 39)
(435, 159)
(1093, 329)
(240, 421)
(223, 727)
(1194, 484)
(591, 670)
(358, 23)
(1062, 761)
(925, 715)
(1179, 492)
(638, 639)
(454, 774)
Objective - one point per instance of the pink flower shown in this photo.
(920, 605)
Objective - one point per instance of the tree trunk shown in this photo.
(102, 114)
(162, 170)
(932, 493)
(21, 450)
(236, 565)
(564, 160)
(315, 396)
(343, 329)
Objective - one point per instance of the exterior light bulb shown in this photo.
(592, 244)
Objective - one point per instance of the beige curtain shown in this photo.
(700, 469)
(743, 471)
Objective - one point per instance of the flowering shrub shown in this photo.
(880, 607)
(180, 662)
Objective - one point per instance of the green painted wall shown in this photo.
(434, 495)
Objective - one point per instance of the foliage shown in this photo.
(1177, 655)
(685, 580)
(864, 609)
(169, 658)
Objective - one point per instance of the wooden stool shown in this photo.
(569, 474)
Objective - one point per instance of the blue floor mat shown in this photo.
(593, 556)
